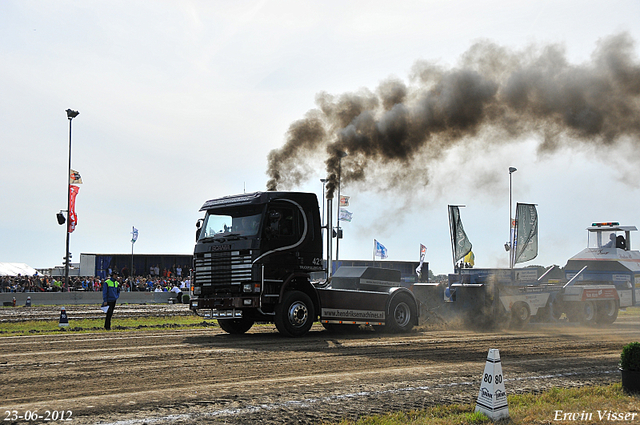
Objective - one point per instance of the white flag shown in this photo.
(134, 234)
(345, 215)
(380, 250)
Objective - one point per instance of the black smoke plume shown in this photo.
(494, 92)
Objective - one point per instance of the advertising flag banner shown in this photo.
(380, 250)
(470, 259)
(344, 201)
(73, 218)
(459, 240)
(134, 234)
(345, 215)
(74, 177)
(526, 233)
(423, 253)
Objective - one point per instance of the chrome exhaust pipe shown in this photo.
(329, 237)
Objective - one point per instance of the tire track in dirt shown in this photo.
(198, 375)
(311, 402)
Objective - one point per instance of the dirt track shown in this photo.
(207, 376)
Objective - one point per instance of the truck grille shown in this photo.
(223, 268)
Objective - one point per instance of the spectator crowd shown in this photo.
(155, 281)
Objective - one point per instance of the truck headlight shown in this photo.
(247, 287)
(197, 290)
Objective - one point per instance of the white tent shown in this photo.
(15, 269)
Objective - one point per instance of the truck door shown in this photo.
(279, 229)
(282, 231)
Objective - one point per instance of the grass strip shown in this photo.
(44, 327)
(562, 406)
(630, 312)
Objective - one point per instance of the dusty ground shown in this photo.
(207, 376)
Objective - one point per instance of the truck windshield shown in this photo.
(606, 239)
(224, 225)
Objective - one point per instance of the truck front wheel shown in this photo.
(402, 313)
(235, 326)
(295, 314)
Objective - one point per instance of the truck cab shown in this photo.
(253, 261)
(609, 260)
(251, 250)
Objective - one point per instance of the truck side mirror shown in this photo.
(198, 228)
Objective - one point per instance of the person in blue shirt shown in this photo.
(110, 294)
(612, 241)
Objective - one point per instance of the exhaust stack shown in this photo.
(329, 237)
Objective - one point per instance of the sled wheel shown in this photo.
(235, 326)
(588, 313)
(295, 314)
(520, 315)
(583, 312)
(607, 312)
(556, 308)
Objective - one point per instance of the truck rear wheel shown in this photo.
(235, 326)
(295, 314)
(607, 312)
(402, 313)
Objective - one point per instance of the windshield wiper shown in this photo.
(235, 236)
(221, 237)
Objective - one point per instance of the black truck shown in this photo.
(254, 259)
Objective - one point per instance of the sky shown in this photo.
(183, 101)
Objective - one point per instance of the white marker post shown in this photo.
(492, 399)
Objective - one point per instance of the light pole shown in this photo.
(340, 156)
(71, 114)
(511, 239)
